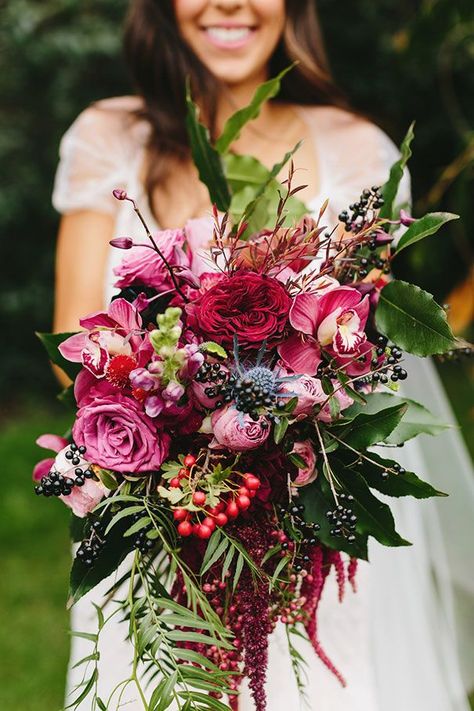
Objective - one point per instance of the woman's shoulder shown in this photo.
(111, 121)
(344, 125)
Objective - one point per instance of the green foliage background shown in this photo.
(397, 61)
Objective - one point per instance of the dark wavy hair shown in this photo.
(160, 62)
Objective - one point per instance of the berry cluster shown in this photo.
(215, 376)
(343, 519)
(256, 389)
(141, 541)
(203, 521)
(362, 211)
(56, 484)
(90, 548)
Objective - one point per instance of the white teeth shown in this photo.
(229, 34)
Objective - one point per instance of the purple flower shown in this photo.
(122, 242)
(118, 435)
(119, 194)
(406, 219)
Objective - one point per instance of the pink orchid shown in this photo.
(107, 334)
(334, 322)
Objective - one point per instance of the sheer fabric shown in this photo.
(396, 641)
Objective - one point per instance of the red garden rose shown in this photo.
(252, 306)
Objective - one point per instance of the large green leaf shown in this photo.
(407, 484)
(368, 429)
(373, 517)
(243, 170)
(416, 420)
(390, 189)
(412, 319)
(317, 500)
(51, 342)
(206, 158)
(424, 227)
(238, 120)
(113, 552)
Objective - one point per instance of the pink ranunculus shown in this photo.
(309, 473)
(238, 432)
(143, 266)
(334, 321)
(308, 390)
(119, 435)
(107, 334)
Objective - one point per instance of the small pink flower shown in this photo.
(238, 432)
(55, 444)
(344, 401)
(308, 390)
(309, 473)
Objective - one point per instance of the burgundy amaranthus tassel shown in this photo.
(352, 572)
(312, 590)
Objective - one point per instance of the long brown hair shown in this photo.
(160, 62)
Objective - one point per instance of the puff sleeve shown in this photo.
(92, 157)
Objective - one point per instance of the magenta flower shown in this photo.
(334, 322)
(143, 266)
(118, 435)
(108, 333)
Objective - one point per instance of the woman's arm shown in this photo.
(81, 259)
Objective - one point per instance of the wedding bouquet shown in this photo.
(227, 403)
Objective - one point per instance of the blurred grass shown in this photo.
(36, 557)
(35, 561)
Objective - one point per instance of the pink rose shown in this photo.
(238, 432)
(118, 435)
(308, 390)
(309, 473)
(143, 266)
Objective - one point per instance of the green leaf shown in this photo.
(390, 189)
(239, 566)
(407, 484)
(374, 518)
(317, 500)
(111, 554)
(244, 171)
(280, 429)
(51, 341)
(213, 349)
(108, 479)
(416, 420)
(366, 430)
(297, 460)
(218, 552)
(206, 158)
(424, 227)
(412, 319)
(238, 120)
(137, 526)
(123, 513)
(187, 636)
(86, 690)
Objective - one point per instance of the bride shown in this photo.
(395, 640)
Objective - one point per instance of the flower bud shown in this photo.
(119, 194)
(406, 219)
(122, 242)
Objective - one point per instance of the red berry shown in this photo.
(180, 514)
(221, 506)
(232, 510)
(252, 482)
(185, 528)
(213, 511)
(189, 460)
(175, 483)
(221, 519)
(243, 491)
(243, 502)
(199, 498)
(183, 473)
(209, 522)
(203, 531)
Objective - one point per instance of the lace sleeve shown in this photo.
(91, 164)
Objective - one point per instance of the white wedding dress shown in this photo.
(397, 640)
